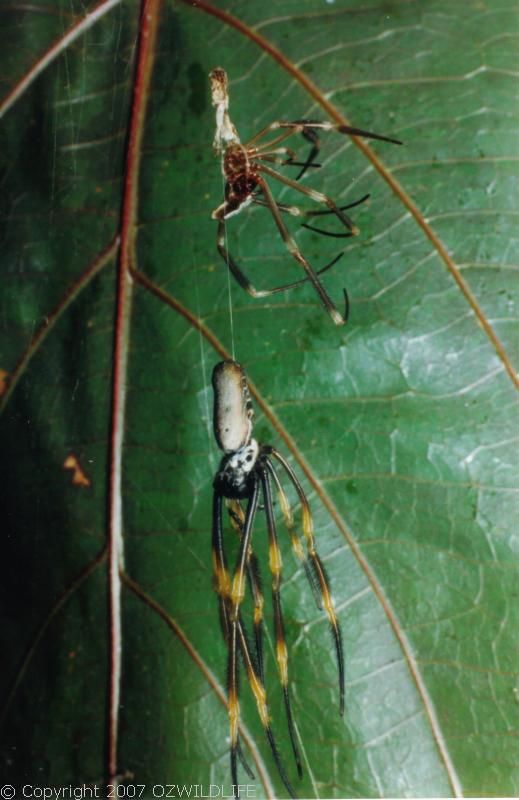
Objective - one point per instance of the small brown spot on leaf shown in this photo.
(79, 478)
(4, 381)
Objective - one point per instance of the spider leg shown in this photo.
(323, 212)
(288, 519)
(318, 570)
(273, 155)
(237, 518)
(238, 639)
(274, 151)
(296, 253)
(274, 126)
(311, 136)
(285, 162)
(275, 564)
(319, 272)
(258, 690)
(254, 577)
(243, 762)
(293, 127)
(318, 197)
(244, 282)
(308, 128)
(329, 211)
(222, 585)
(295, 211)
(331, 234)
(233, 705)
(309, 132)
(221, 579)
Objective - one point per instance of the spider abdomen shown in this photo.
(232, 413)
(240, 188)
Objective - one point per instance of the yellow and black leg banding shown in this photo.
(260, 695)
(320, 578)
(327, 601)
(234, 485)
(222, 586)
(231, 595)
(275, 564)
(237, 518)
(295, 541)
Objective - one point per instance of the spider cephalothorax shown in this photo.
(245, 169)
(247, 473)
(233, 478)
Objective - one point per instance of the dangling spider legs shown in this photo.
(318, 197)
(237, 518)
(294, 250)
(308, 129)
(295, 211)
(275, 565)
(246, 473)
(242, 279)
(296, 253)
(319, 579)
(231, 594)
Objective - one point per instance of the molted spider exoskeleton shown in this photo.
(245, 172)
(247, 473)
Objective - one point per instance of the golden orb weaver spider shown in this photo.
(247, 473)
(245, 172)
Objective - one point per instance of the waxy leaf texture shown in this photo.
(114, 307)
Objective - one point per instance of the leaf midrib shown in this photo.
(267, 410)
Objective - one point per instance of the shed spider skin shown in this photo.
(245, 169)
(247, 475)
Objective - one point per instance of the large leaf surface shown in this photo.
(404, 422)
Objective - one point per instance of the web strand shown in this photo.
(229, 291)
(204, 372)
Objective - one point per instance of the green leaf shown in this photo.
(402, 425)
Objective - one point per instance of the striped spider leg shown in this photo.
(244, 483)
(246, 168)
